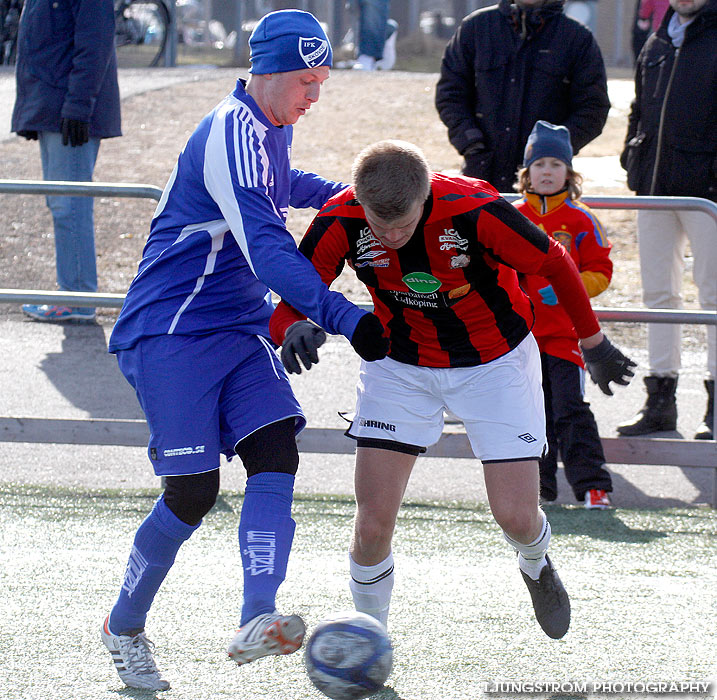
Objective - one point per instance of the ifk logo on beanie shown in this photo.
(288, 40)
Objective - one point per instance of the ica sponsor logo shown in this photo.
(366, 240)
(450, 240)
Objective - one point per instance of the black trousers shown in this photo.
(571, 431)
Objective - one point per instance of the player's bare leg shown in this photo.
(513, 491)
(380, 481)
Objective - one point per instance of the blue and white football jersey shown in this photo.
(218, 239)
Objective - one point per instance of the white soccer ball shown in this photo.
(349, 656)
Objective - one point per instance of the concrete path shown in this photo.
(132, 81)
(64, 372)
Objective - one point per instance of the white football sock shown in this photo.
(531, 557)
(371, 588)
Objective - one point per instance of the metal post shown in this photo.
(337, 23)
(618, 56)
(243, 11)
(207, 11)
(170, 49)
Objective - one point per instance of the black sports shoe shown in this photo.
(550, 601)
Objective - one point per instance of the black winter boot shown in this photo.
(705, 431)
(659, 411)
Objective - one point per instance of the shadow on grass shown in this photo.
(598, 524)
(223, 505)
(386, 693)
(619, 525)
(138, 693)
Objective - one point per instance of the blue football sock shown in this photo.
(156, 543)
(266, 531)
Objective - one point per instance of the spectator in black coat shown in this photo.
(506, 67)
(671, 150)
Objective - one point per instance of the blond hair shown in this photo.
(574, 183)
(390, 178)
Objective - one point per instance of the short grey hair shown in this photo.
(391, 177)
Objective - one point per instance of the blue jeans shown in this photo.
(373, 22)
(73, 217)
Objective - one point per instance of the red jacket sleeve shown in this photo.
(517, 242)
(646, 9)
(594, 262)
(284, 315)
(325, 245)
(560, 270)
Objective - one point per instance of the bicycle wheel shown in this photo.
(141, 33)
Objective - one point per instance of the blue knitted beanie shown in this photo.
(548, 140)
(288, 40)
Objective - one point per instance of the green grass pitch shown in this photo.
(642, 585)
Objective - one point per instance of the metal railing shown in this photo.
(80, 189)
(636, 451)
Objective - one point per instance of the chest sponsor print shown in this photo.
(421, 282)
(383, 262)
(368, 259)
(452, 240)
(460, 261)
(365, 242)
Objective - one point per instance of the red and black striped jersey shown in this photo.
(450, 296)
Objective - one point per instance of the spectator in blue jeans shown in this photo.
(376, 35)
(68, 99)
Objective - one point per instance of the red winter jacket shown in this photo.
(578, 229)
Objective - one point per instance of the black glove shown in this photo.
(302, 339)
(74, 132)
(368, 340)
(29, 135)
(478, 161)
(607, 364)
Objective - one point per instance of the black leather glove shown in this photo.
(607, 364)
(302, 339)
(74, 132)
(29, 135)
(368, 340)
(478, 161)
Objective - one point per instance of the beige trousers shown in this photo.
(663, 237)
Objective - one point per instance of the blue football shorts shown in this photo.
(201, 395)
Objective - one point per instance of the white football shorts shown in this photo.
(500, 404)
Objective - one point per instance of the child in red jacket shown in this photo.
(550, 189)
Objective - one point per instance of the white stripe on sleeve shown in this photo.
(216, 230)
